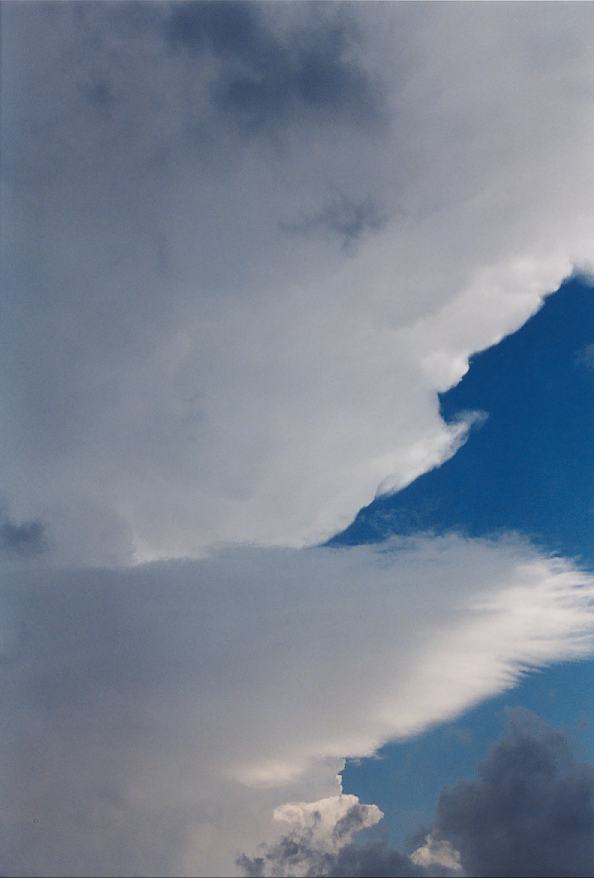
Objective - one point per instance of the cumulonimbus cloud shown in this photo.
(155, 717)
(177, 369)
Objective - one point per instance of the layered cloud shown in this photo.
(244, 248)
(156, 716)
(247, 244)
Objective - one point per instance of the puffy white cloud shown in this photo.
(316, 833)
(155, 717)
(437, 851)
(239, 270)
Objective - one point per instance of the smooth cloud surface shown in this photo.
(155, 717)
(183, 364)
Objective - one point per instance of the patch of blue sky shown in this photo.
(527, 468)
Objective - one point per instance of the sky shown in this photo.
(546, 403)
(296, 379)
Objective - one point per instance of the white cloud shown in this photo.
(437, 852)
(314, 833)
(179, 370)
(155, 717)
(321, 818)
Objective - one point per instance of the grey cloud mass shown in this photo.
(376, 859)
(344, 217)
(167, 345)
(269, 74)
(24, 540)
(297, 854)
(162, 719)
(529, 813)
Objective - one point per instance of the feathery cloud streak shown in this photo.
(156, 716)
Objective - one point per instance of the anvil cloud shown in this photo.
(155, 717)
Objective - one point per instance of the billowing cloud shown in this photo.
(181, 367)
(176, 369)
(155, 717)
(268, 73)
(318, 832)
(529, 813)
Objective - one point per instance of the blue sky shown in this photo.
(528, 468)
(295, 438)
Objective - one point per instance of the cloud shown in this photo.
(317, 845)
(176, 371)
(156, 716)
(24, 540)
(298, 854)
(319, 831)
(266, 77)
(529, 813)
(344, 217)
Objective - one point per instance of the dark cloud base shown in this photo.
(26, 540)
(529, 814)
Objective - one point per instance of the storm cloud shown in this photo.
(271, 74)
(347, 219)
(529, 813)
(167, 345)
(157, 717)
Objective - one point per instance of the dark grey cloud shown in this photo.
(100, 94)
(25, 540)
(268, 75)
(529, 813)
(297, 853)
(376, 859)
(344, 216)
